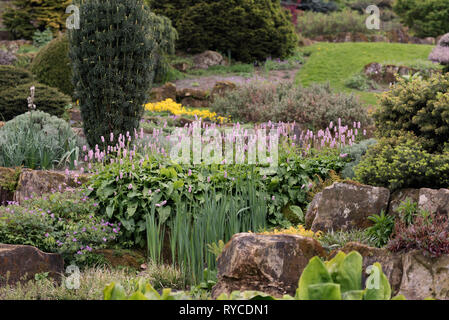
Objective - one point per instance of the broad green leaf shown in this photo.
(324, 291)
(131, 210)
(314, 273)
(377, 285)
(402, 297)
(137, 296)
(349, 274)
(353, 295)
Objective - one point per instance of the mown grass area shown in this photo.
(336, 62)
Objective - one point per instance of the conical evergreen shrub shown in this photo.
(113, 55)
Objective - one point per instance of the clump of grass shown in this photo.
(92, 281)
(337, 239)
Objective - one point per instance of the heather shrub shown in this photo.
(13, 100)
(314, 107)
(6, 58)
(38, 140)
(441, 52)
(248, 30)
(41, 38)
(426, 18)
(419, 106)
(429, 232)
(52, 65)
(11, 77)
(323, 6)
(312, 24)
(403, 162)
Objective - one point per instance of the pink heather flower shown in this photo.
(130, 186)
(273, 198)
(102, 139)
(112, 136)
(225, 174)
(74, 240)
(189, 173)
(105, 240)
(343, 155)
(190, 189)
(47, 235)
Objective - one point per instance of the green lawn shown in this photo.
(336, 62)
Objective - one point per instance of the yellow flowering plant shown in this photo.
(177, 109)
(298, 230)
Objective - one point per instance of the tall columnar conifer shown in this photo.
(113, 54)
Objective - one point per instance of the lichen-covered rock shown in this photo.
(391, 262)
(311, 210)
(424, 276)
(21, 263)
(267, 263)
(434, 201)
(37, 182)
(347, 206)
(194, 98)
(208, 59)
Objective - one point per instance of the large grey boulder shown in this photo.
(346, 206)
(434, 201)
(267, 263)
(424, 276)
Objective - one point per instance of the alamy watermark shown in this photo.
(196, 145)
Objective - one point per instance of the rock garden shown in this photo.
(281, 150)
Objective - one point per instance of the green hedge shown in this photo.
(13, 101)
(429, 18)
(11, 76)
(247, 29)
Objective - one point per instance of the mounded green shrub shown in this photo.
(113, 57)
(248, 30)
(314, 107)
(426, 18)
(13, 100)
(419, 106)
(25, 16)
(52, 65)
(11, 77)
(403, 162)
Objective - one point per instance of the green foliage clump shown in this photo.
(354, 155)
(426, 18)
(143, 290)
(38, 140)
(113, 57)
(13, 101)
(11, 77)
(360, 82)
(341, 279)
(52, 65)
(73, 235)
(418, 106)
(25, 16)
(122, 190)
(382, 228)
(315, 106)
(402, 162)
(41, 38)
(248, 30)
